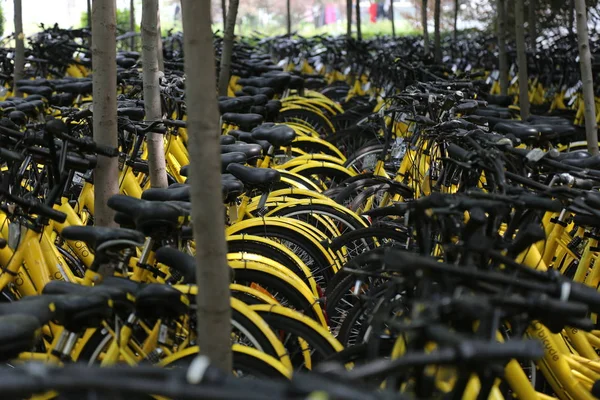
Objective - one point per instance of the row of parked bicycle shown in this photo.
(406, 238)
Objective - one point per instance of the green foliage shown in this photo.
(122, 21)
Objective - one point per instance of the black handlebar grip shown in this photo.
(175, 123)
(551, 306)
(8, 155)
(540, 203)
(584, 184)
(398, 209)
(584, 294)
(46, 211)
(107, 151)
(458, 153)
(81, 115)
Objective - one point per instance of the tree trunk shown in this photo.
(208, 212)
(104, 81)
(289, 17)
(19, 72)
(358, 30)
(424, 23)
(522, 59)
(224, 13)
(392, 18)
(437, 40)
(152, 104)
(349, 18)
(159, 44)
(531, 23)
(456, 8)
(89, 13)
(585, 62)
(132, 23)
(502, 61)
(227, 48)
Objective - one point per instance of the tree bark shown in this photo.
(522, 59)
(456, 8)
(132, 23)
(358, 30)
(585, 63)
(224, 13)
(152, 104)
(425, 30)
(104, 81)
(208, 212)
(19, 72)
(227, 49)
(437, 40)
(392, 18)
(159, 44)
(502, 61)
(289, 17)
(531, 23)
(349, 18)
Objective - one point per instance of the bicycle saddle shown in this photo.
(252, 151)
(125, 62)
(259, 99)
(498, 100)
(133, 113)
(227, 158)
(226, 139)
(152, 218)
(18, 333)
(278, 82)
(254, 178)
(231, 105)
(62, 99)
(247, 137)
(521, 131)
(231, 188)
(571, 155)
(39, 307)
(592, 162)
(493, 112)
(244, 121)
(119, 296)
(179, 261)
(277, 135)
(77, 313)
(251, 90)
(94, 236)
(45, 91)
(75, 87)
(181, 193)
(586, 220)
(548, 119)
(34, 82)
(156, 300)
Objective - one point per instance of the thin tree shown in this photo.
(152, 104)
(132, 23)
(289, 17)
(227, 49)
(349, 18)
(456, 8)
(19, 71)
(212, 270)
(424, 23)
(358, 30)
(224, 12)
(585, 63)
(521, 59)
(89, 13)
(392, 18)
(104, 81)
(502, 60)
(437, 40)
(531, 25)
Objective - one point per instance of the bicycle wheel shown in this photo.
(296, 329)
